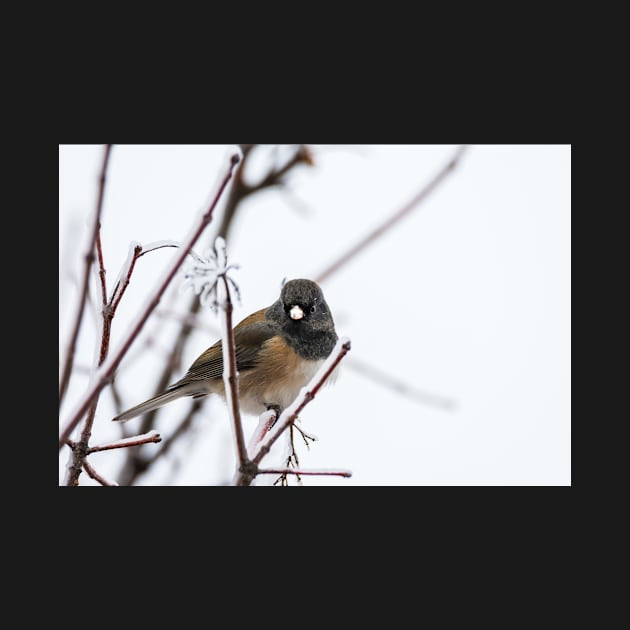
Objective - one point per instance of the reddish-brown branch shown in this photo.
(119, 290)
(230, 375)
(89, 258)
(90, 471)
(296, 471)
(101, 266)
(108, 369)
(80, 452)
(274, 177)
(384, 379)
(152, 436)
(391, 221)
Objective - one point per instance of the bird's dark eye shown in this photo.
(313, 309)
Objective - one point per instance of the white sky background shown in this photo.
(468, 297)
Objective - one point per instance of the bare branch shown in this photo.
(79, 450)
(120, 289)
(90, 471)
(101, 266)
(364, 242)
(298, 472)
(107, 370)
(275, 177)
(387, 380)
(292, 460)
(89, 259)
(151, 436)
(305, 436)
(230, 374)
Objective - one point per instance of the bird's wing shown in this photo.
(249, 335)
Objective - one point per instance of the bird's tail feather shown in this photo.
(153, 403)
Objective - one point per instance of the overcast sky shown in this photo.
(467, 299)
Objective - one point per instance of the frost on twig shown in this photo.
(203, 273)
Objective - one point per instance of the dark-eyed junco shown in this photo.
(278, 350)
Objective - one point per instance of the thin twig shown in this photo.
(386, 225)
(107, 370)
(400, 387)
(296, 471)
(101, 266)
(152, 436)
(89, 259)
(275, 177)
(305, 436)
(90, 471)
(292, 460)
(119, 289)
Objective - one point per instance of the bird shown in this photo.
(278, 350)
